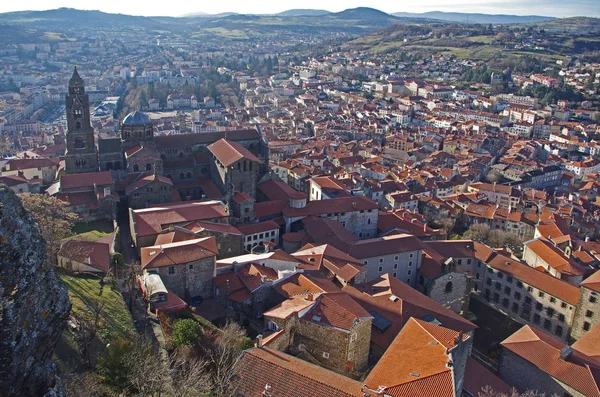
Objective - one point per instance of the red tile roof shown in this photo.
(228, 152)
(89, 179)
(92, 253)
(342, 204)
(288, 376)
(153, 220)
(278, 190)
(397, 302)
(338, 310)
(178, 253)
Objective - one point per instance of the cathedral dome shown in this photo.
(136, 118)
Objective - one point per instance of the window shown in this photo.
(409, 272)
(326, 355)
(530, 289)
(171, 269)
(505, 302)
(459, 262)
(517, 295)
(408, 281)
(519, 284)
(411, 255)
(563, 305)
(380, 260)
(558, 330)
(468, 261)
(547, 324)
(589, 314)
(380, 269)
(536, 318)
(410, 263)
(496, 297)
(541, 294)
(498, 286)
(509, 279)
(395, 266)
(528, 300)
(549, 312)
(592, 299)
(396, 258)
(515, 307)
(561, 318)
(477, 276)
(488, 281)
(190, 267)
(586, 326)
(448, 288)
(552, 299)
(506, 290)
(395, 274)
(539, 307)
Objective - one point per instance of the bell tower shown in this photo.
(81, 155)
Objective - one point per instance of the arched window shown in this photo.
(188, 175)
(136, 168)
(182, 176)
(78, 125)
(79, 143)
(250, 166)
(109, 166)
(180, 155)
(448, 288)
(83, 162)
(117, 165)
(245, 164)
(239, 166)
(148, 167)
(78, 163)
(149, 133)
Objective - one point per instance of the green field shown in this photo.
(115, 322)
(92, 230)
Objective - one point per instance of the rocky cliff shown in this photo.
(34, 305)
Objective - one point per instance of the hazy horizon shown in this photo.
(553, 8)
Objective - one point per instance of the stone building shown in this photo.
(588, 306)
(187, 267)
(81, 154)
(533, 360)
(233, 168)
(331, 330)
(150, 189)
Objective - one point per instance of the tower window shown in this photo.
(148, 167)
(79, 143)
(78, 125)
(448, 288)
(136, 168)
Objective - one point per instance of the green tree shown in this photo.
(187, 332)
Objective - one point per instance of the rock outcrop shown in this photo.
(34, 305)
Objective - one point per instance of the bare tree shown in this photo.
(223, 357)
(487, 391)
(54, 218)
(190, 375)
(84, 385)
(87, 330)
(148, 374)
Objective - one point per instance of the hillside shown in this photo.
(475, 17)
(303, 13)
(579, 25)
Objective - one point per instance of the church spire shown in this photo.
(76, 80)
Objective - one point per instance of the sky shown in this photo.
(556, 8)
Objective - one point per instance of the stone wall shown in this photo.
(525, 376)
(451, 290)
(187, 282)
(587, 314)
(155, 192)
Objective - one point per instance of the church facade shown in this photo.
(184, 160)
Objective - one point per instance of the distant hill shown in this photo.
(579, 25)
(474, 18)
(303, 13)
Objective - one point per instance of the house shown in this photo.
(434, 361)
(147, 223)
(533, 360)
(150, 189)
(332, 328)
(186, 267)
(82, 256)
(42, 170)
(556, 260)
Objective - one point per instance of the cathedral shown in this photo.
(151, 169)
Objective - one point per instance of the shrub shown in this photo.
(187, 332)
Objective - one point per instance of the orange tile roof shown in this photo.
(543, 351)
(398, 302)
(543, 281)
(338, 310)
(589, 344)
(423, 369)
(592, 282)
(554, 257)
(288, 376)
(228, 152)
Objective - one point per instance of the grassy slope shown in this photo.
(115, 321)
(92, 230)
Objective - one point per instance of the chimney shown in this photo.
(424, 227)
(88, 259)
(310, 297)
(259, 341)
